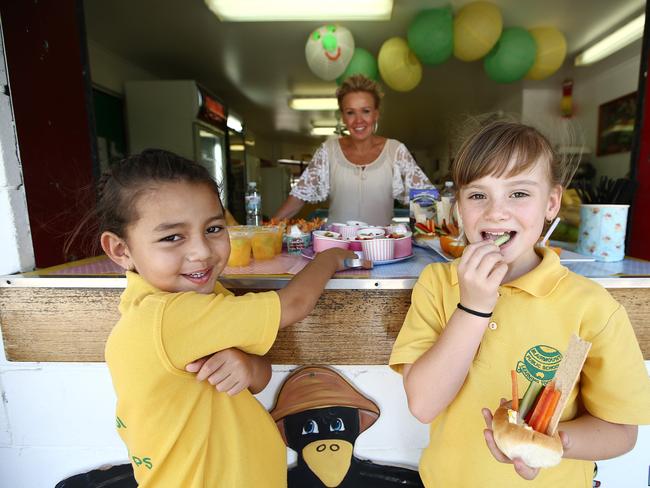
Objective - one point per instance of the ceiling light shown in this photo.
(330, 103)
(324, 123)
(323, 131)
(627, 34)
(265, 10)
(236, 147)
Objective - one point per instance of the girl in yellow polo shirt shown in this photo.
(161, 219)
(475, 319)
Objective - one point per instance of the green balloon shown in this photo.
(512, 56)
(362, 63)
(431, 35)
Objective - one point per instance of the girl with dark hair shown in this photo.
(161, 219)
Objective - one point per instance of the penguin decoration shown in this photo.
(320, 415)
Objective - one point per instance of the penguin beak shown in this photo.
(329, 460)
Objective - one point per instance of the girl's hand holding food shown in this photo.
(480, 272)
(522, 469)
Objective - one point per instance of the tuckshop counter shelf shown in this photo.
(356, 320)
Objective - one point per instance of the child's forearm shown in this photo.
(434, 380)
(299, 297)
(260, 373)
(592, 439)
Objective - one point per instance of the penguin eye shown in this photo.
(311, 427)
(337, 425)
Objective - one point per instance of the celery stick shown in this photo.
(529, 398)
(502, 239)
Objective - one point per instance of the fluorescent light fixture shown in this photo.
(324, 123)
(290, 161)
(322, 103)
(320, 10)
(249, 142)
(322, 131)
(236, 147)
(627, 34)
(234, 123)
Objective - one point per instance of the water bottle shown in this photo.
(253, 205)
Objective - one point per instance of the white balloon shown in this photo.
(329, 50)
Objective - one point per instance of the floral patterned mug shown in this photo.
(602, 231)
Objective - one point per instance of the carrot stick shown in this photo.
(555, 398)
(541, 405)
(515, 390)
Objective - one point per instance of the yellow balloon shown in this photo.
(477, 28)
(398, 65)
(551, 51)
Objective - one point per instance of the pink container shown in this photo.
(378, 249)
(336, 227)
(355, 245)
(348, 231)
(322, 240)
(403, 246)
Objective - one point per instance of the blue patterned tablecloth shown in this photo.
(412, 268)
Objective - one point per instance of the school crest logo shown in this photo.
(539, 364)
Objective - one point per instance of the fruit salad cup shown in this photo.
(264, 243)
(240, 246)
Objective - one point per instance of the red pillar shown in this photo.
(50, 91)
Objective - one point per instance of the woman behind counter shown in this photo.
(362, 173)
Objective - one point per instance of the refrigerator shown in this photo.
(182, 117)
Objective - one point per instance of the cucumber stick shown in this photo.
(529, 398)
(502, 239)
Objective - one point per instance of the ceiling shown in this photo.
(256, 66)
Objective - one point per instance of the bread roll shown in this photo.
(535, 449)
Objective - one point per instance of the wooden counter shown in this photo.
(69, 319)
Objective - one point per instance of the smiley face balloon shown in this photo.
(329, 50)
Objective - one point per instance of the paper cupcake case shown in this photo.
(378, 249)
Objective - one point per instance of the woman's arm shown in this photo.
(289, 208)
(313, 186)
(407, 175)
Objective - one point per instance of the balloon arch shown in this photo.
(434, 35)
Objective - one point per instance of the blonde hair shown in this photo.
(506, 148)
(359, 83)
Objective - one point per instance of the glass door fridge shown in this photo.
(210, 151)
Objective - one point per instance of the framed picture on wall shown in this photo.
(616, 125)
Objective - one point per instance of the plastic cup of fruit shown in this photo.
(240, 247)
(452, 246)
(264, 243)
(277, 233)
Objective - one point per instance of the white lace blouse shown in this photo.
(360, 192)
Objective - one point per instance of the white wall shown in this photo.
(16, 251)
(110, 71)
(602, 82)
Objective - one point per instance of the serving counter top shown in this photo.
(63, 317)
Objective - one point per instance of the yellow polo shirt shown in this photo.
(529, 330)
(181, 432)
